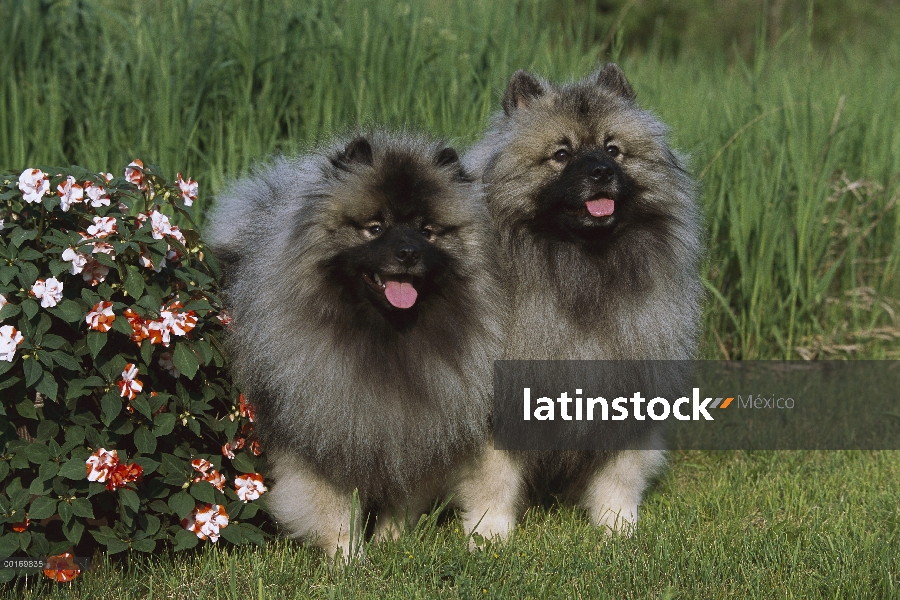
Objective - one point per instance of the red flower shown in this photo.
(101, 316)
(62, 567)
(246, 409)
(124, 474)
(130, 385)
(21, 525)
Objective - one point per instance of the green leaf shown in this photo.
(95, 341)
(75, 469)
(185, 540)
(130, 499)
(28, 274)
(65, 360)
(243, 463)
(73, 530)
(122, 325)
(203, 491)
(144, 545)
(9, 310)
(69, 311)
(48, 386)
(163, 424)
(82, 507)
(146, 352)
(182, 504)
(52, 341)
(46, 430)
(144, 441)
(42, 508)
(185, 360)
(19, 235)
(232, 533)
(33, 371)
(134, 282)
(252, 534)
(111, 405)
(141, 405)
(65, 511)
(37, 453)
(48, 470)
(115, 545)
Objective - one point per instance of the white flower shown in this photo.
(10, 338)
(69, 193)
(96, 194)
(206, 520)
(77, 259)
(49, 292)
(102, 227)
(135, 174)
(160, 225)
(130, 385)
(100, 464)
(34, 184)
(249, 486)
(188, 190)
(101, 316)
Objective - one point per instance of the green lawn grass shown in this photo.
(796, 143)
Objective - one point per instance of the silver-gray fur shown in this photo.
(350, 395)
(627, 290)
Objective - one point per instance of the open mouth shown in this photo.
(595, 209)
(398, 290)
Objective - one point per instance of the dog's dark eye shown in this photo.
(561, 155)
(612, 150)
(374, 229)
(427, 232)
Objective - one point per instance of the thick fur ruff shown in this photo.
(620, 286)
(351, 393)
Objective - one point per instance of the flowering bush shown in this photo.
(118, 424)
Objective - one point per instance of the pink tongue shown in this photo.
(601, 208)
(400, 294)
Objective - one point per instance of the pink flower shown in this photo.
(33, 184)
(49, 292)
(101, 316)
(69, 193)
(167, 363)
(96, 194)
(94, 272)
(188, 190)
(10, 338)
(102, 227)
(206, 520)
(134, 173)
(130, 385)
(77, 259)
(100, 464)
(249, 486)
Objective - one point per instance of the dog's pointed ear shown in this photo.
(612, 78)
(448, 157)
(358, 151)
(522, 88)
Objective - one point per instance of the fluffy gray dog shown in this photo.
(603, 233)
(367, 298)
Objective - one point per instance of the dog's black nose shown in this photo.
(407, 254)
(601, 172)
